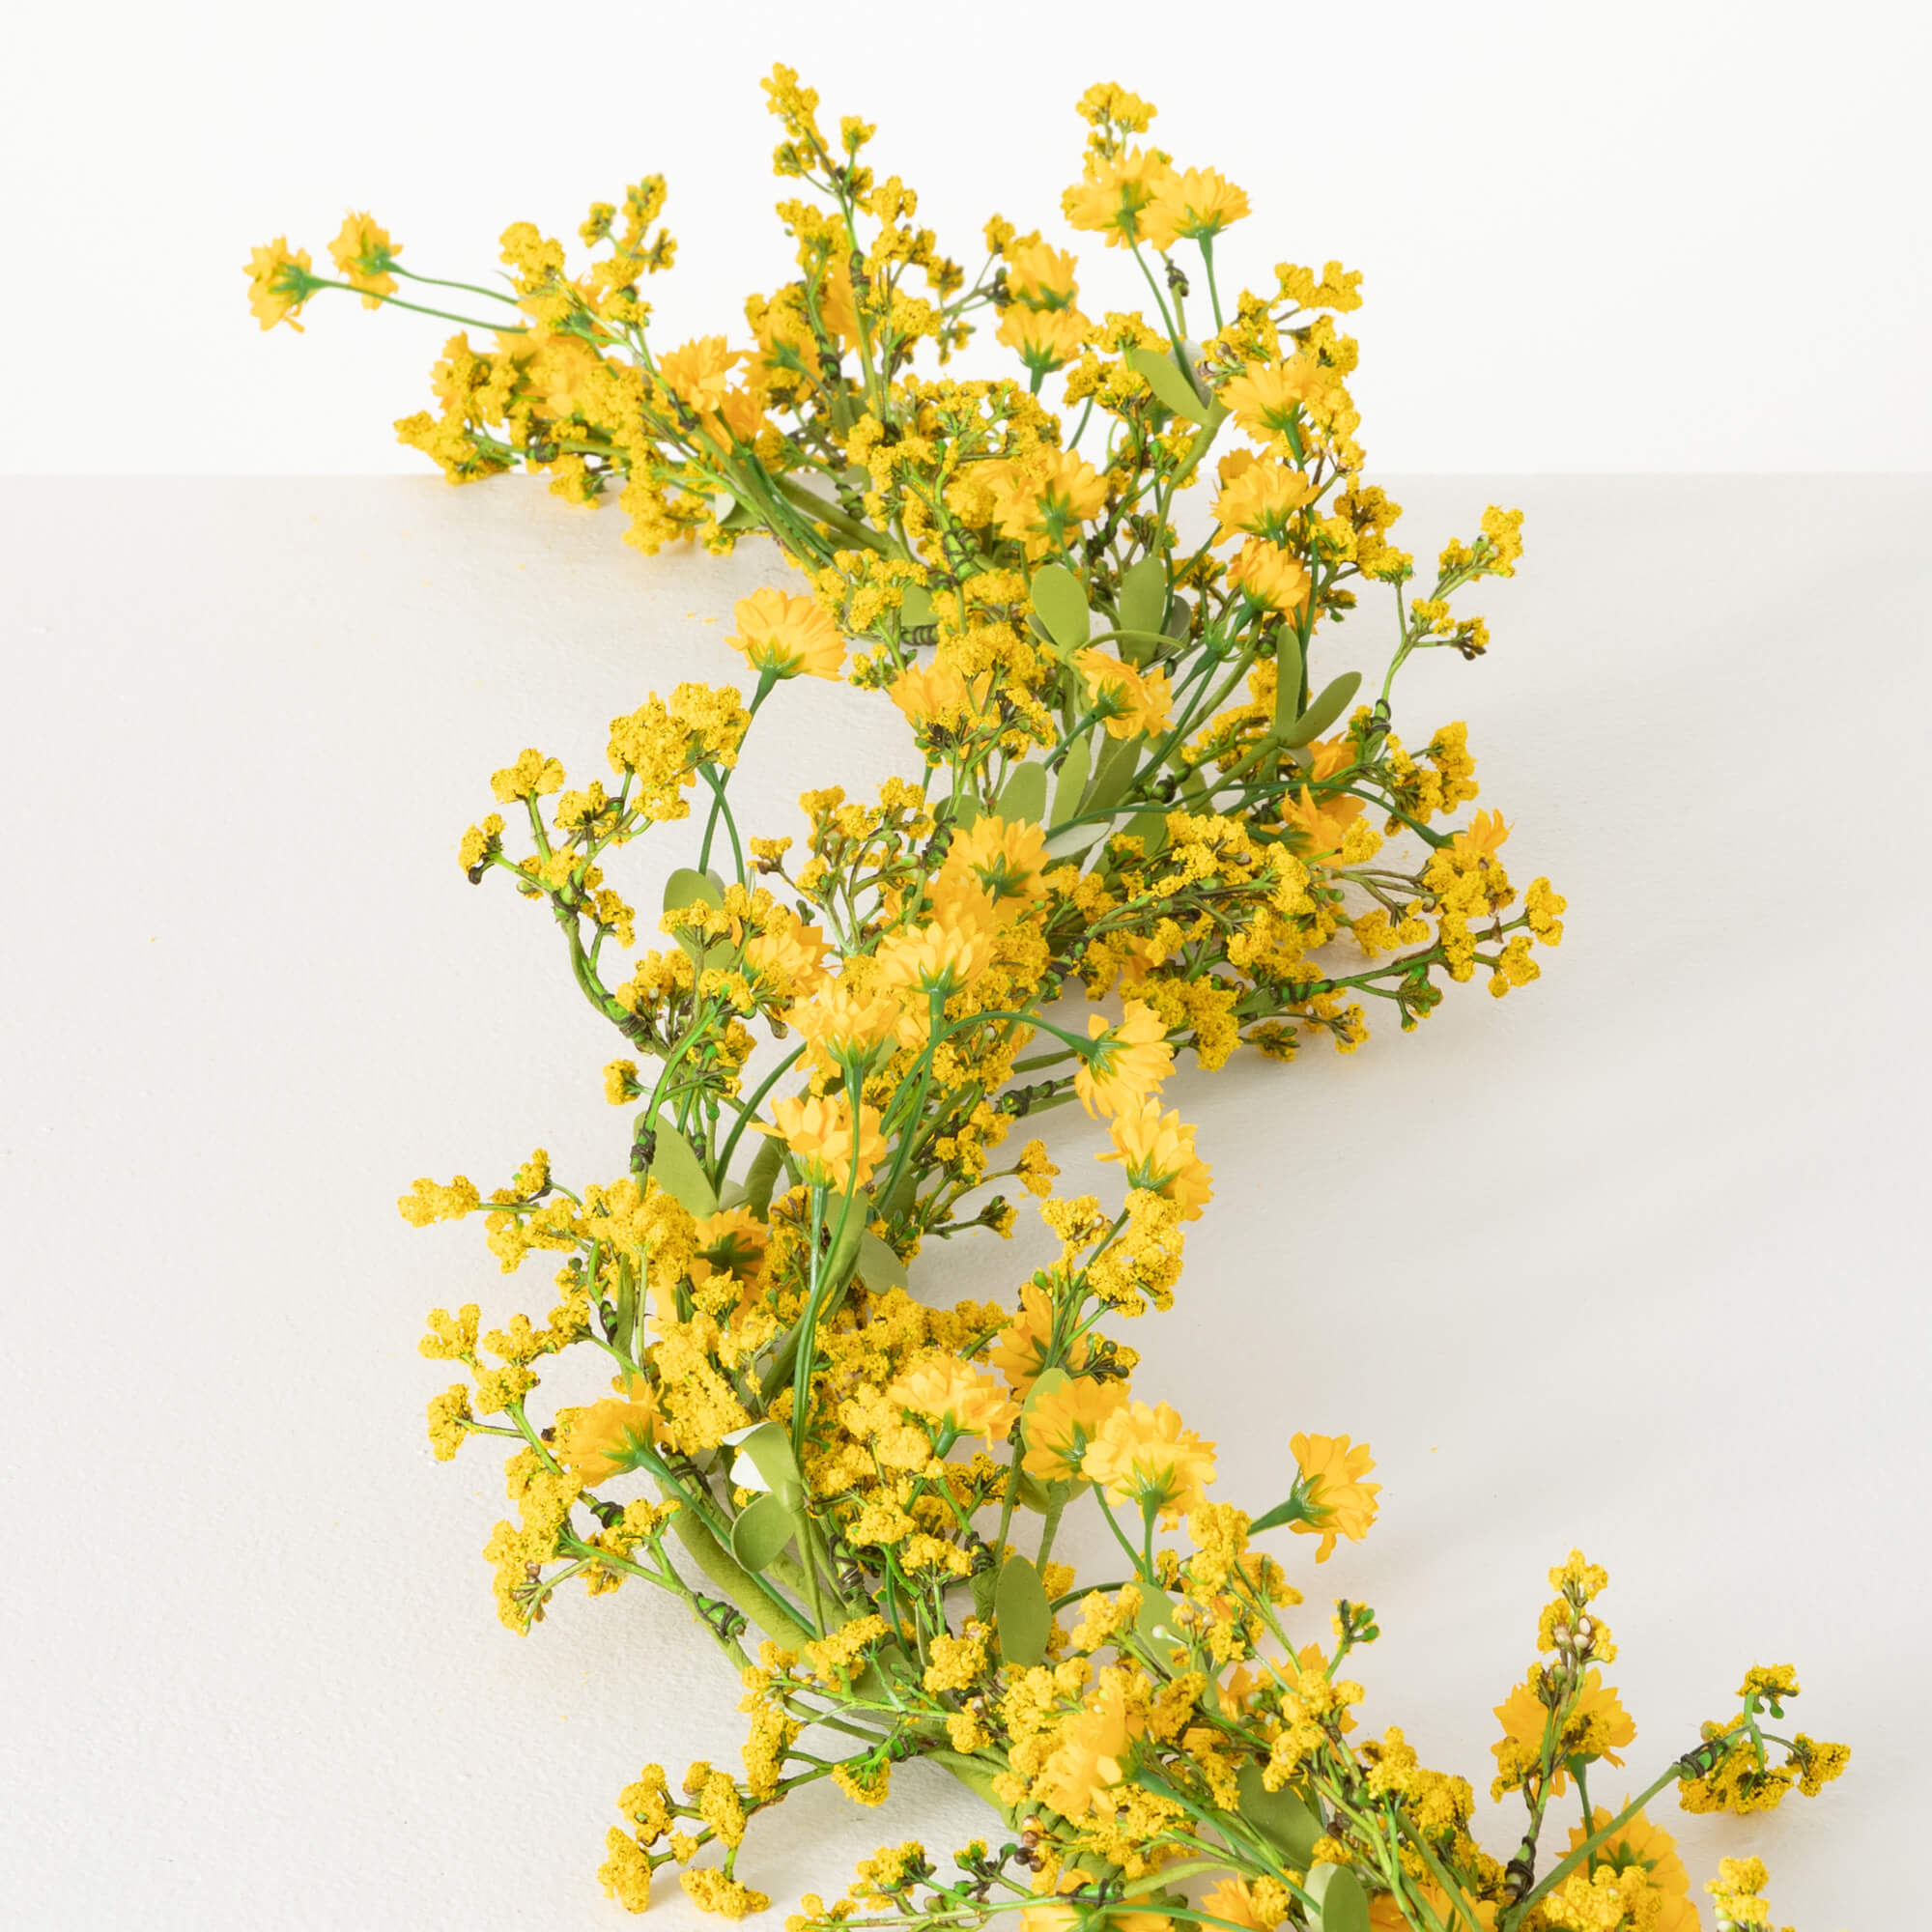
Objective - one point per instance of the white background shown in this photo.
(1642, 237)
(1629, 1261)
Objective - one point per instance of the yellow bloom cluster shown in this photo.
(1148, 778)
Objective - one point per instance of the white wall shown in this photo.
(1647, 237)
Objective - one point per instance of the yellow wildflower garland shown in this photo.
(1136, 786)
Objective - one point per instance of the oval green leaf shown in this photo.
(1341, 1903)
(677, 1171)
(686, 887)
(916, 610)
(1021, 1612)
(1071, 784)
(1159, 371)
(1325, 709)
(878, 1264)
(762, 1532)
(1155, 1619)
(983, 1582)
(1150, 828)
(1286, 684)
(1060, 600)
(1142, 601)
(1279, 1816)
(769, 1448)
(1045, 1385)
(1023, 796)
(1114, 773)
(764, 1173)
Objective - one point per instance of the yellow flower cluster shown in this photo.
(1151, 777)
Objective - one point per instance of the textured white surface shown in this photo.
(1629, 1261)
(1675, 234)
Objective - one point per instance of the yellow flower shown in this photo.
(1386, 1916)
(946, 1390)
(787, 634)
(610, 1437)
(1038, 498)
(839, 1022)
(1271, 577)
(1044, 339)
(1063, 1423)
(1233, 1900)
(1088, 1759)
(1145, 1457)
(731, 1241)
(1129, 701)
(1485, 833)
(1113, 198)
(362, 252)
(1322, 825)
(1597, 1724)
(699, 373)
(1646, 1847)
(789, 952)
(1739, 1891)
(818, 1131)
(1267, 398)
(1041, 277)
(937, 694)
(943, 956)
(1021, 1349)
(1340, 1502)
(1006, 858)
(1197, 203)
(1158, 1152)
(1258, 499)
(279, 283)
(1127, 1063)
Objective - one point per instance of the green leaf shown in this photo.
(1325, 709)
(1137, 646)
(1032, 1494)
(842, 1257)
(762, 1532)
(1150, 828)
(983, 1582)
(1113, 773)
(1060, 600)
(1023, 796)
(676, 1169)
(1173, 391)
(916, 610)
(1072, 781)
(762, 1175)
(769, 1447)
(1023, 1616)
(686, 888)
(1179, 615)
(966, 814)
(1279, 1816)
(878, 1264)
(1155, 1619)
(1341, 1903)
(1143, 600)
(1286, 684)
(1045, 1385)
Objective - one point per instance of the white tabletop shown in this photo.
(1629, 1259)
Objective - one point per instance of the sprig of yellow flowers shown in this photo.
(1135, 784)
